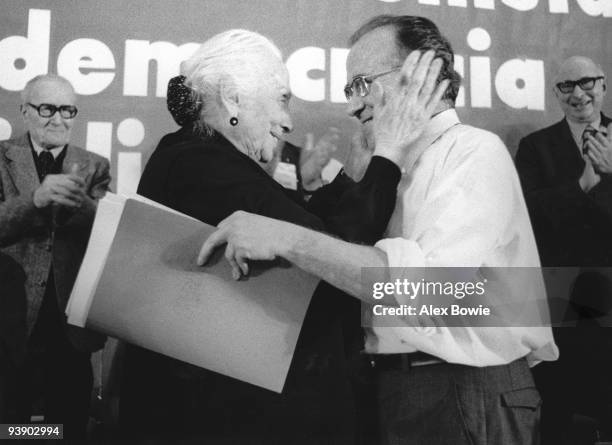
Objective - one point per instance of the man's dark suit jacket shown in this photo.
(209, 179)
(35, 239)
(572, 228)
(12, 313)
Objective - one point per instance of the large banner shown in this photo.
(120, 54)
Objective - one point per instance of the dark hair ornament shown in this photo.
(181, 102)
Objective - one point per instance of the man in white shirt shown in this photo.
(459, 204)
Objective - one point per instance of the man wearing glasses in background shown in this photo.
(48, 196)
(565, 174)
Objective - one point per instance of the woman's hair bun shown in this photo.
(181, 101)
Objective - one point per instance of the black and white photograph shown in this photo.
(295, 222)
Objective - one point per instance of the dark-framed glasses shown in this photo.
(48, 110)
(360, 85)
(585, 84)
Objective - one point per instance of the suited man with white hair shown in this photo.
(49, 190)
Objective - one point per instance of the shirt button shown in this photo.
(49, 247)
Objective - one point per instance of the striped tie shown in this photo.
(589, 130)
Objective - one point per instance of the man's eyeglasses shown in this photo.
(360, 85)
(585, 84)
(48, 110)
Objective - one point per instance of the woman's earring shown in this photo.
(233, 121)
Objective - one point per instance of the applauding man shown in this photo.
(48, 195)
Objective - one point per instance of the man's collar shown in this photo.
(38, 149)
(437, 125)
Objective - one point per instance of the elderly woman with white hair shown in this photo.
(232, 103)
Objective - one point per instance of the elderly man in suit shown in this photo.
(49, 190)
(565, 171)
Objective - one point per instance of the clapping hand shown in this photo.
(316, 156)
(589, 177)
(63, 189)
(600, 151)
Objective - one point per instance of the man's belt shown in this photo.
(402, 362)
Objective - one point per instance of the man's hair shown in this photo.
(26, 93)
(558, 64)
(237, 58)
(418, 33)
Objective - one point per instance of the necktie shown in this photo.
(589, 130)
(45, 161)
